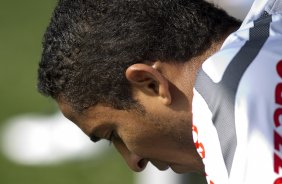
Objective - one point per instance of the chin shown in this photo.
(179, 171)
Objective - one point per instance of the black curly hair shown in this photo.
(89, 44)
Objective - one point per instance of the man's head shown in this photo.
(115, 64)
(90, 43)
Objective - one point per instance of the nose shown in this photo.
(135, 162)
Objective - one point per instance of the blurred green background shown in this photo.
(22, 24)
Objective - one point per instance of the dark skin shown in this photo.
(162, 135)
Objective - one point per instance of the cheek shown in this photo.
(135, 141)
(147, 144)
(140, 141)
(150, 135)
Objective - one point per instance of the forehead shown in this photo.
(68, 111)
(92, 117)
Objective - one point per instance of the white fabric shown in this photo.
(254, 108)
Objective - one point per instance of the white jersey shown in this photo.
(237, 104)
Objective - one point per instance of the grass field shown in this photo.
(21, 30)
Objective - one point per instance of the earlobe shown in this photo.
(149, 80)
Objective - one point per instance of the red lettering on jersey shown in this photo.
(277, 141)
(276, 116)
(278, 93)
(195, 129)
(202, 148)
(199, 146)
(277, 163)
(278, 181)
(279, 68)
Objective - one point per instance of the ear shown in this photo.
(149, 80)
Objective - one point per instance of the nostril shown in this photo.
(142, 164)
(136, 163)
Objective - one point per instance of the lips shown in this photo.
(160, 165)
(163, 168)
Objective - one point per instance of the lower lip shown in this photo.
(161, 167)
(164, 168)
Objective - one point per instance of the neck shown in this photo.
(195, 63)
(184, 74)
